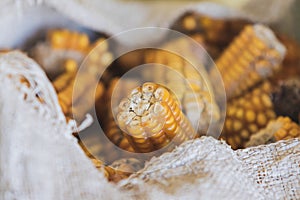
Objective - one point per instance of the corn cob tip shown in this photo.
(151, 117)
(269, 38)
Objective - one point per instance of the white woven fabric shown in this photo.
(39, 158)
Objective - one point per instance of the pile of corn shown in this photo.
(166, 111)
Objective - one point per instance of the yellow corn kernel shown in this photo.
(257, 54)
(152, 118)
(189, 23)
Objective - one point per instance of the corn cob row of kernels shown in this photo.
(253, 56)
(152, 119)
(248, 114)
(76, 103)
(282, 128)
(68, 40)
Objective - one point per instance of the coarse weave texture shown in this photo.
(39, 158)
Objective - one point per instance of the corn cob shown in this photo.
(248, 114)
(282, 128)
(190, 88)
(59, 46)
(253, 56)
(76, 104)
(68, 40)
(152, 119)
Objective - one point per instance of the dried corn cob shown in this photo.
(152, 119)
(282, 128)
(59, 46)
(253, 56)
(248, 114)
(69, 40)
(76, 104)
(189, 85)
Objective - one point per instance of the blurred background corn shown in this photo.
(111, 129)
(213, 33)
(79, 103)
(253, 56)
(61, 45)
(187, 82)
(99, 59)
(247, 114)
(68, 40)
(152, 118)
(282, 128)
